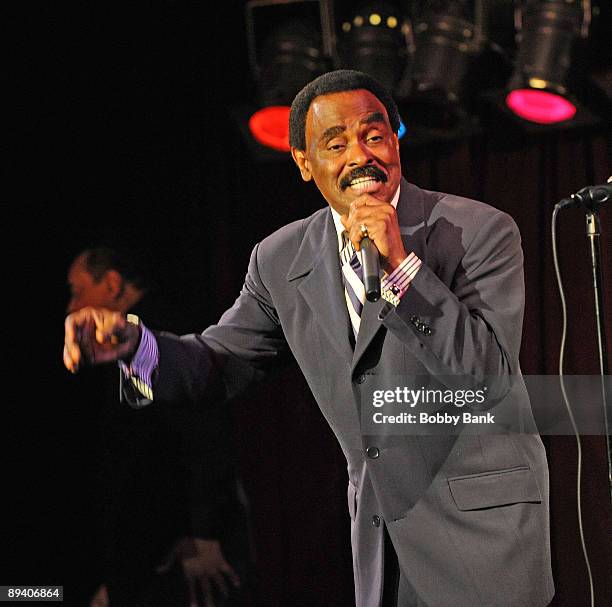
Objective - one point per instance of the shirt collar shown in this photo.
(340, 227)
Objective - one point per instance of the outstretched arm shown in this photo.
(221, 362)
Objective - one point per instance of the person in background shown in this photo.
(171, 515)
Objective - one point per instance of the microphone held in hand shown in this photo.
(371, 269)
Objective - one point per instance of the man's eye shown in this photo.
(334, 147)
(374, 138)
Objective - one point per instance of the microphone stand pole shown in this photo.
(593, 232)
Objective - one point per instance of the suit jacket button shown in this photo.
(376, 520)
(360, 378)
(372, 452)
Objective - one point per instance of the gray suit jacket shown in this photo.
(467, 513)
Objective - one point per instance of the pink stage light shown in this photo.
(270, 126)
(540, 106)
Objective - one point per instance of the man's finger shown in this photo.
(72, 352)
(69, 329)
(107, 324)
(227, 569)
(206, 598)
(78, 336)
(356, 233)
(72, 357)
(191, 585)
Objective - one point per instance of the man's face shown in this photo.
(350, 149)
(85, 291)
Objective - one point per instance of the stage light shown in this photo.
(290, 58)
(540, 106)
(373, 41)
(547, 30)
(446, 38)
(270, 127)
(288, 47)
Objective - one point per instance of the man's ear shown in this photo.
(299, 156)
(113, 282)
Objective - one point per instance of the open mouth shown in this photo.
(364, 179)
(364, 184)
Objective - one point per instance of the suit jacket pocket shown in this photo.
(494, 488)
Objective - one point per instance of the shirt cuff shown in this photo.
(394, 285)
(139, 372)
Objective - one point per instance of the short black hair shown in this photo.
(335, 82)
(99, 260)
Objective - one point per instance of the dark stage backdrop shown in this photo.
(136, 143)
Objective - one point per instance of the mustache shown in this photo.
(366, 171)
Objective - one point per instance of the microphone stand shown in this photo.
(593, 232)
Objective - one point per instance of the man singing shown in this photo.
(438, 520)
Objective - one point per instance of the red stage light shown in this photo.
(270, 126)
(540, 106)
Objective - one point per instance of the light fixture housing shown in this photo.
(373, 40)
(290, 58)
(288, 46)
(547, 30)
(447, 36)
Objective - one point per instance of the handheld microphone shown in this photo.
(371, 269)
(590, 197)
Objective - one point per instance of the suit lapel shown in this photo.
(317, 268)
(412, 220)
